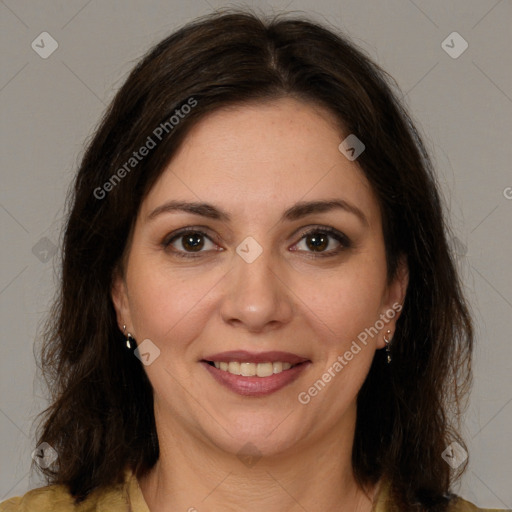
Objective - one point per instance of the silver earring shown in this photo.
(387, 341)
(130, 341)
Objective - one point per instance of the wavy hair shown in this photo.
(100, 418)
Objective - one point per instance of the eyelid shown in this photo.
(313, 228)
(203, 230)
(171, 237)
(339, 236)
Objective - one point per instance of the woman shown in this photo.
(259, 309)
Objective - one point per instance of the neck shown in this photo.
(194, 475)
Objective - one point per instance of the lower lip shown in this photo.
(256, 386)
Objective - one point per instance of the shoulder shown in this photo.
(57, 498)
(385, 503)
(460, 505)
(53, 498)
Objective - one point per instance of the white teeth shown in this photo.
(252, 369)
(264, 369)
(248, 369)
(234, 367)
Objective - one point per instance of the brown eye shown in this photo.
(319, 241)
(193, 242)
(186, 243)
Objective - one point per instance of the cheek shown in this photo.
(344, 303)
(341, 314)
(168, 305)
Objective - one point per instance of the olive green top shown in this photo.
(128, 498)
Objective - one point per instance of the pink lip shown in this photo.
(256, 357)
(256, 386)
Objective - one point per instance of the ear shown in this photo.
(394, 300)
(120, 300)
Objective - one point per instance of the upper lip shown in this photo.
(244, 356)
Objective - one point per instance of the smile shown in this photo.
(252, 369)
(255, 374)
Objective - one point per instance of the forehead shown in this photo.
(263, 157)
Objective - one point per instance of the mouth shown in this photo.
(247, 369)
(255, 374)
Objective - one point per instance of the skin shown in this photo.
(255, 161)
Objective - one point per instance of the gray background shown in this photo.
(462, 106)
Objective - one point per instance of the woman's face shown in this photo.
(271, 281)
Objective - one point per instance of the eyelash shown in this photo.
(338, 236)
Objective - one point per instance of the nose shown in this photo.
(257, 296)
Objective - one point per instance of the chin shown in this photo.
(256, 435)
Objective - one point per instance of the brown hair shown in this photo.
(101, 416)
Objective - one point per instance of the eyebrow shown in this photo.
(295, 212)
